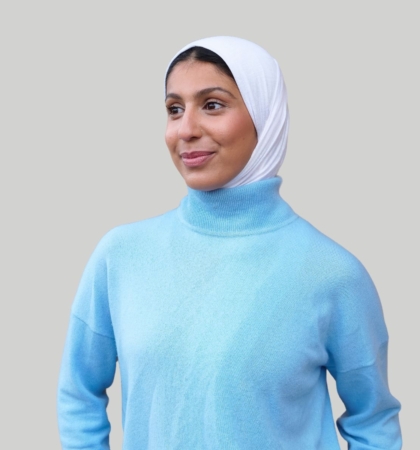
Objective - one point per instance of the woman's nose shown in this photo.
(189, 126)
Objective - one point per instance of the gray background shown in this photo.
(82, 150)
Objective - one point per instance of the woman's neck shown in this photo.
(249, 209)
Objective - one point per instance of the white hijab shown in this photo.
(262, 87)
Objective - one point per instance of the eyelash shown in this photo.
(213, 103)
(171, 109)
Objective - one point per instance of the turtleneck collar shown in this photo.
(249, 209)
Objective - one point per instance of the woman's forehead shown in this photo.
(196, 75)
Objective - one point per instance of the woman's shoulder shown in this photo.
(326, 254)
(135, 233)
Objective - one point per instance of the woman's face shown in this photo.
(209, 132)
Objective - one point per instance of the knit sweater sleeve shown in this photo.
(357, 348)
(88, 364)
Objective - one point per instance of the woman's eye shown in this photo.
(213, 106)
(173, 110)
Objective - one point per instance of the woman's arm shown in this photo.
(357, 344)
(89, 363)
(371, 417)
(87, 370)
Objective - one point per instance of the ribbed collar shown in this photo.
(250, 209)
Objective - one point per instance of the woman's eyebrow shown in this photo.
(211, 89)
(201, 93)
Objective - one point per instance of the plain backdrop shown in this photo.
(82, 150)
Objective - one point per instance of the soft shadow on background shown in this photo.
(82, 150)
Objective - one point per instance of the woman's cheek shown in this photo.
(170, 137)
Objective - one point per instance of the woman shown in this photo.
(226, 313)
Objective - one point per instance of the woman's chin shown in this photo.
(204, 182)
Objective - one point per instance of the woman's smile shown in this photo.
(196, 158)
(209, 133)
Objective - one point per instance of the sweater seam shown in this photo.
(91, 329)
(231, 234)
(365, 366)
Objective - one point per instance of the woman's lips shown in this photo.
(194, 159)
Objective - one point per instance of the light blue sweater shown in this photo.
(224, 316)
